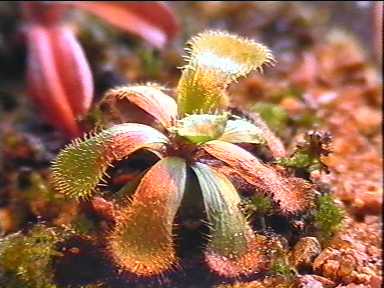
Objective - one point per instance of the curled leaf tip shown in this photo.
(82, 164)
(214, 60)
(149, 97)
(232, 54)
(141, 241)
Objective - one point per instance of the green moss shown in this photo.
(260, 204)
(25, 260)
(301, 160)
(275, 116)
(308, 153)
(281, 267)
(328, 216)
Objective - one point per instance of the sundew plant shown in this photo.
(198, 135)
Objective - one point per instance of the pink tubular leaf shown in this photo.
(73, 68)
(58, 74)
(44, 84)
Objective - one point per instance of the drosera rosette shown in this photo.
(193, 130)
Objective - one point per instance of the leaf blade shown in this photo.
(233, 248)
(201, 128)
(292, 195)
(44, 83)
(73, 68)
(149, 98)
(141, 242)
(82, 164)
(242, 131)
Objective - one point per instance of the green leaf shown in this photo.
(242, 131)
(201, 128)
(221, 204)
(274, 144)
(232, 247)
(82, 165)
(215, 60)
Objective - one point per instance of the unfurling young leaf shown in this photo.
(141, 241)
(82, 165)
(233, 248)
(215, 60)
(201, 128)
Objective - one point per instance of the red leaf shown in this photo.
(151, 21)
(42, 12)
(58, 74)
(72, 66)
(80, 167)
(293, 195)
(44, 84)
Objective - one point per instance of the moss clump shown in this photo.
(308, 153)
(275, 116)
(328, 216)
(301, 160)
(281, 267)
(257, 204)
(261, 204)
(25, 260)
(39, 190)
